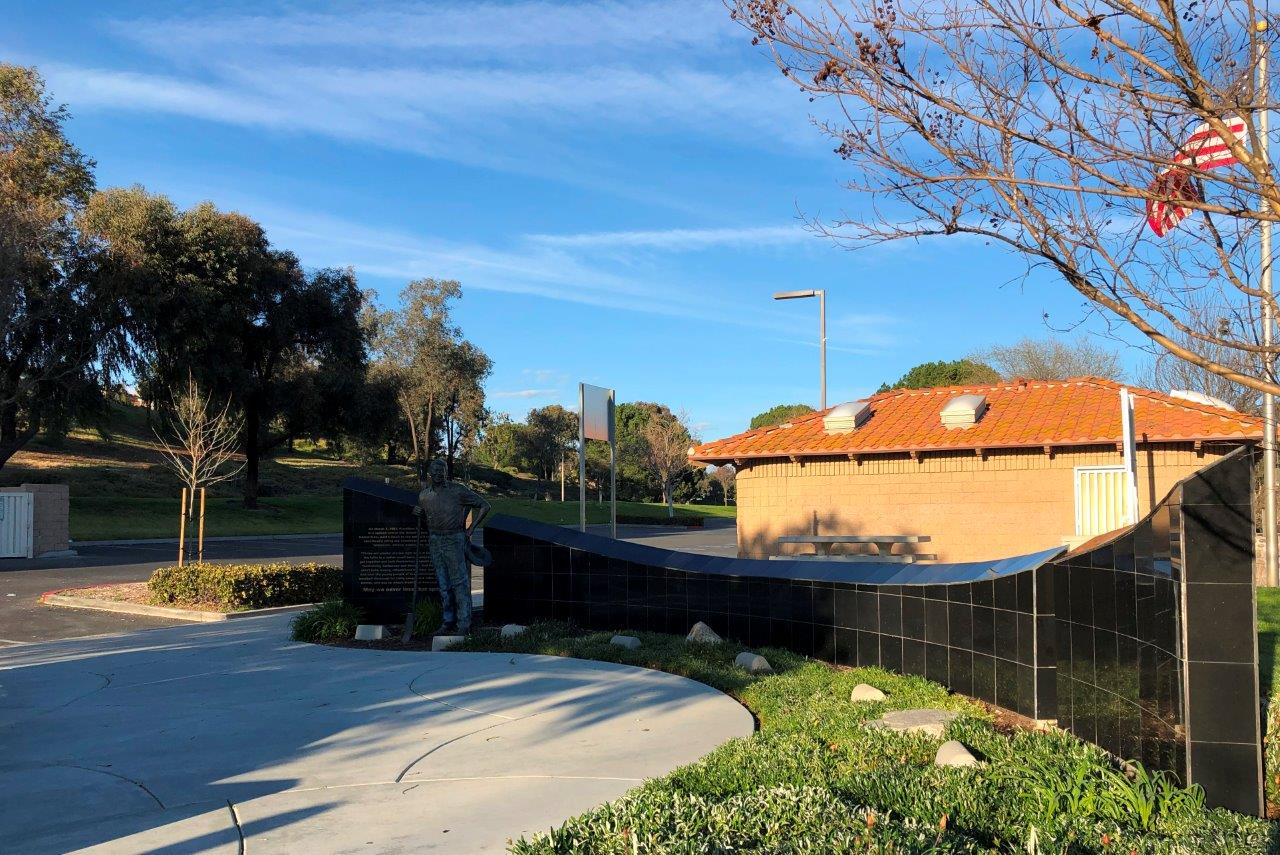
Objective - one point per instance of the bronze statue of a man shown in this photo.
(444, 506)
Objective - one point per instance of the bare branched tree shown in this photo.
(1046, 127)
(667, 440)
(1167, 373)
(1052, 359)
(726, 476)
(202, 441)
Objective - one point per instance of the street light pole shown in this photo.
(822, 333)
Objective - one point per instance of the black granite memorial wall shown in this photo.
(379, 554)
(969, 626)
(1143, 641)
(1157, 642)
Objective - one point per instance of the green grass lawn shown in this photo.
(127, 518)
(566, 513)
(814, 778)
(1268, 638)
(103, 518)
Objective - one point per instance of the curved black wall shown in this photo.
(1143, 642)
(1157, 641)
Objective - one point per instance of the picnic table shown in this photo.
(881, 545)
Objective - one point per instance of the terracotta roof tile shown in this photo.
(1032, 413)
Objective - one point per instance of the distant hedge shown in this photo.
(245, 586)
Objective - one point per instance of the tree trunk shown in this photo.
(669, 495)
(11, 439)
(252, 455)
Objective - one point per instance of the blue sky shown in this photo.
(617, 185)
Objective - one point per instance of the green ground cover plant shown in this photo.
(236, 587)
(816, 778)
(334, 620)
(108, 517)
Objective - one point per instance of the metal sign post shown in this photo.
(1130, 454)
(596, 421)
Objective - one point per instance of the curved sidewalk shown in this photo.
(230, 737)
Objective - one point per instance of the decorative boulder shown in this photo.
(929, 722)
(703, 634)
(512, 629)
(862, 693)
(370, 632)
(952, 753)
(754, 663)
(630, 642)
(444, 642)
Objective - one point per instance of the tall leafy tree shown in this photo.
(208, 294)
(549, 435)
(779, 415)
(441, 375)
(929, 375)
(57, 339)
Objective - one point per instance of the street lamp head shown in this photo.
(794, 295)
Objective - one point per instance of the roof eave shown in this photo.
(713, 458)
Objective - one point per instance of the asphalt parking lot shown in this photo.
(24, 620)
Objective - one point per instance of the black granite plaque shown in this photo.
(379, 553)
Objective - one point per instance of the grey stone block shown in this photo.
(703, 634)
(628, 641)
(753, 663)
(952, 753)
(513, 629)
(444, 642)
(370, 632)
(927, 721)
(862, 693)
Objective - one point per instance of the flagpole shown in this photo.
(1268, 324)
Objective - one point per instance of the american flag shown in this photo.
(1204, 149)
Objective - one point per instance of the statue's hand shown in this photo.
(417, 510)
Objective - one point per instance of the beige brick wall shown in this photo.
(1010, 503)
(51, 513)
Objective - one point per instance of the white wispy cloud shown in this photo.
(531, 87)
(678, 239)
(530, 25)
(527, 393)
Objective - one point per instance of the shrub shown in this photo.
(245, 586)
(330, 621)
(427, 616)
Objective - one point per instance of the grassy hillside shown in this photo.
(121, 488)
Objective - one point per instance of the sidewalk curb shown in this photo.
(193, 615)
(174, 540)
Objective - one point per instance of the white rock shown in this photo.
(754, 663)
(628, 641)
(370, 632)
(952, 753)
(929, 722)
(444, 642)
(513, 629)
(703, 634)
(862, 693)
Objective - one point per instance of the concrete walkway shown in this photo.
(231, 738)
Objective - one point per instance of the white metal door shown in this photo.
(1101, 503)
(15, 525)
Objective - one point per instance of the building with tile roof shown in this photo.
(984, 471)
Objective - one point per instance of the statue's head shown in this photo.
(436, 471)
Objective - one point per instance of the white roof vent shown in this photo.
(963, 411)
(1200, 398)
(843, 418)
